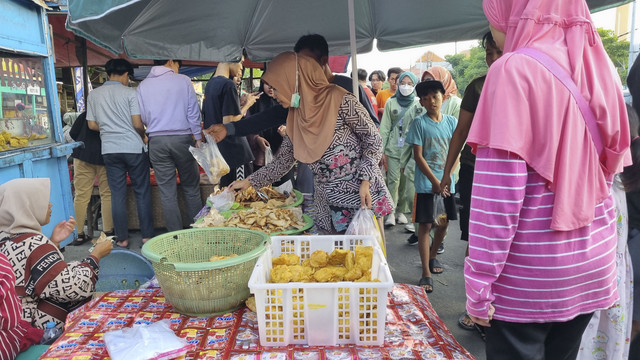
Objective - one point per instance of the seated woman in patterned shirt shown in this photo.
(47, 286)
(332, 132)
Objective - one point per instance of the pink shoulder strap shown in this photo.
(566, 80)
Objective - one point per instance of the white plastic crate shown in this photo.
(321, 313)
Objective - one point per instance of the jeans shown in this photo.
(168, 153)
(137, 165)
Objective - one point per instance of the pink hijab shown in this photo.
(526, 110)
(444, 76)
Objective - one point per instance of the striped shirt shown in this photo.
(11, 331)
(527, 271)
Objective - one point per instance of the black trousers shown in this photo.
(535, 341)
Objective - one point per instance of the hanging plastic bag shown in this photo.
(156, 341)
(222, 201)
(439, 211)
(210, 159)
(268, 155)
(364, 223)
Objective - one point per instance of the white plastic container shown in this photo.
(321, 313)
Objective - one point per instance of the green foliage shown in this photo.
(618, 51)
(467, 68)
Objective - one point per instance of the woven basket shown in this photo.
(194, 285)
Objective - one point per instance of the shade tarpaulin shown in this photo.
(218, 30)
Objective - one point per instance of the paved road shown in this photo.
(447, 298)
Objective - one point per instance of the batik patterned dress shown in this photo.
(48, 287)
(352, 156)
(608, 334)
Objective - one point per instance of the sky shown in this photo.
(378, 60)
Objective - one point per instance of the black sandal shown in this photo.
(434, 263)
(464, 325)
(81, 240)
(426, 281)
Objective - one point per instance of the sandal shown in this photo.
(119, 244)
(435, 264)
(81, 240)
(424, 282)
(465, 322)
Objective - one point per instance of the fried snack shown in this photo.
(354, 274)
(251, 303)
(212, 219)
(102, 238)
(301, 273)
(441, 220)
(364, 257)
(319, 259)
(281, 274)
(222, 257)
(337, 257)
(330, 274)
(218, 168)
(286, 259)
(349, 261)
(250, 199)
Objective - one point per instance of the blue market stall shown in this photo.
(31, 140)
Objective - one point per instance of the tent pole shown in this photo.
(85, 72)
(352, 44)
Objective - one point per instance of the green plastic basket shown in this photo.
(196, 286)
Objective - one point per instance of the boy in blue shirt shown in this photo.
(430, 136)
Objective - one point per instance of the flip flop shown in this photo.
(122, 246)
(434, 263)
(426, 281)
(462, 323)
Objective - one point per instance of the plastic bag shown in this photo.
(364, 223)
(222, 201)
(268, 155)
(156, 342)
(210, 159)
(439, 211)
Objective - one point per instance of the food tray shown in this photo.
(321, 313)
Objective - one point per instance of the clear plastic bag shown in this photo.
(209, 157)
(222, 201)
(364, 223)
(268, 155)
(156, 342)
(439, 211)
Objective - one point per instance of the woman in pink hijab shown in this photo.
(451, 101)
(542, 233)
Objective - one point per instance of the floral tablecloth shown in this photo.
(413, 331)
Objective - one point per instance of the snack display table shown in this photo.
(413, 331)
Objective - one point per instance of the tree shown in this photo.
(618, 51)
(467, 68)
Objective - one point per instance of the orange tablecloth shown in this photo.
(413, 331)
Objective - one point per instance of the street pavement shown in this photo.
(447, 298)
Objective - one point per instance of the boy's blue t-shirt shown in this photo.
(434, 138)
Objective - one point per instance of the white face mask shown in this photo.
(405, 90)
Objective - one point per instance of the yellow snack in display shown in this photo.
(337, 256)
(364, 257)
(319, 259)
(286, 259)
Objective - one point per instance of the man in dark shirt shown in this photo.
(314, 46)
(222, 106)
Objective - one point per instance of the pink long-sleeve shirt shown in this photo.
(527, 271)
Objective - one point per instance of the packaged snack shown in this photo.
(89, 322)
(146, 318)
(175, 319)
(369, 354)
(217, 339)
(246, 338)
(117, 321)
(158, 303)
(96, 344)
(67, 344)
(275, 355)
(193, 337)
(224, 321)
(197, 323)
(338, 354)
(134, 304)
(110, 303)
